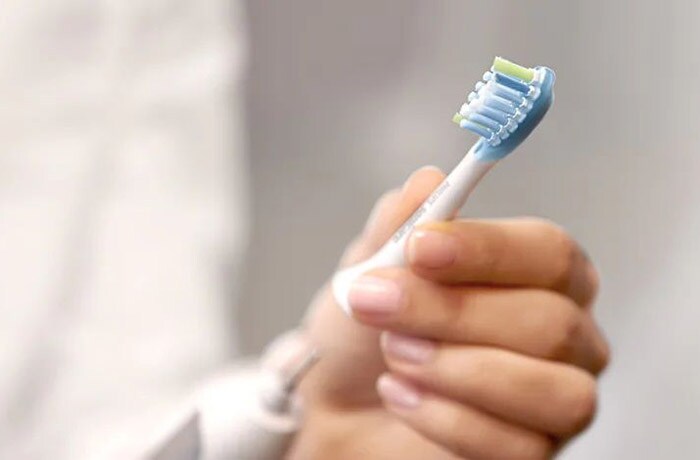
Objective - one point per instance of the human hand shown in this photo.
(490, 349)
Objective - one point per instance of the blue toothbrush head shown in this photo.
(506, 107)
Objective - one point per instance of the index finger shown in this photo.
(514, 252)
(391, 210)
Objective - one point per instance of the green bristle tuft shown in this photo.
(457, 118)
(514, 70)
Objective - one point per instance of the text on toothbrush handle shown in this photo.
(410, 223)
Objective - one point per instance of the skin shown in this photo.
(492, 353)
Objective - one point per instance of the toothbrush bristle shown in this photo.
(506, 67)
(500, 102)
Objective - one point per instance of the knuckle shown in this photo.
(565, 256)
(602, 354)
(565, 331)
(479, 367)
(472, 371)
(565, 250)
(482, 243)
(593, 279)
(467, 439)
(581, 405)
(486, 250)
(456, 441)
(459, 318)
(535, 447)
(521, 445)
(605, 356)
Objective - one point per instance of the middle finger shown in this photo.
(536, 322)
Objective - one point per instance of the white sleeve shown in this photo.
(247, 413)
(123, 216)
(207, 425)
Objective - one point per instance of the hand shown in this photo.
(489, 349)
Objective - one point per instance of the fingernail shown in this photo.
(397, 393)
(375, 296)
(410, 349)
(432, 249)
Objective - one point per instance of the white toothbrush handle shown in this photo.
(447, 198)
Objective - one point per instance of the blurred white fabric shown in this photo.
(122, 204)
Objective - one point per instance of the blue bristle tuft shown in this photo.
(493, 114)
(511, 82)
(498, 103)
(476, 128)
(491, 124)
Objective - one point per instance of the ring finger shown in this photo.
(554, 398)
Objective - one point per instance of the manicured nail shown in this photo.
(375, 296)
(410, 349)
(398, 394)
(432, 249)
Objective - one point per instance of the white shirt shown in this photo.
(121, 215)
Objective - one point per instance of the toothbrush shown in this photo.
(503, 110)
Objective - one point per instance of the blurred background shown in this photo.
(178, 178)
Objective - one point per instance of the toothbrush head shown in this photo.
(506, 107)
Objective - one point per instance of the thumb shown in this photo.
(390, 211)
(351, 361)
